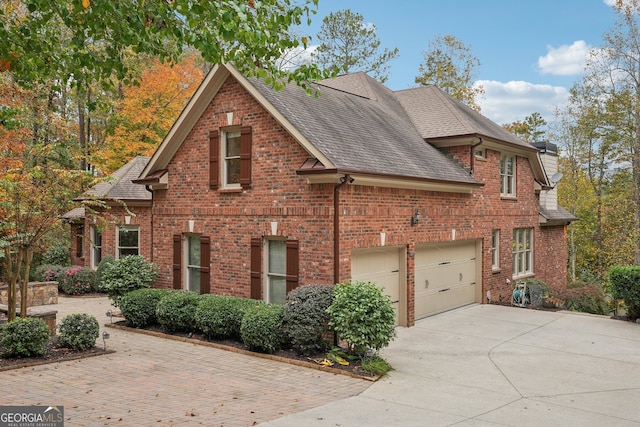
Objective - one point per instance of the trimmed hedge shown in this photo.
(262, 328)
(220, 316)
(127, 274)
(25, 337)
(78, 331)
(176, 311)
(139, 307)
(306, 318)
(625, 285)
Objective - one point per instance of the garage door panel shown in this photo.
(445, 277)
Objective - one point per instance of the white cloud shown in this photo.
(507, 102)
(565, 60)
(609, 2)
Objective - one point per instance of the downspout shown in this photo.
(336, 227)
(472, 160)
(148, 188)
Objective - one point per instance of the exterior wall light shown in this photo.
(415, 218)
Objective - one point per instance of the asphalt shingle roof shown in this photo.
(361, 126)
(119, 186)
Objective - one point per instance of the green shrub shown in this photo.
(78, 331)
(25, 337)
(77, 280)
(176, 311)
(261, 328)
(583, 297)
(127, 274)
(306, 318)
(56, 255)
(220, 316)
(102, 265)
(625, 285)
(362, 316)
(139, 307)
(47, 273)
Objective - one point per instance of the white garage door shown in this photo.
(381, 266)
(445, 277)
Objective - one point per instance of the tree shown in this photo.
(347, 43)
(146, 111)
(252, 34)
(449, 64)
(531, 129)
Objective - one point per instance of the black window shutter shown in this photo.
(205, 265)
(214, 159)
(293, 272)
(256, 268)
(177, 261)
(245, 156)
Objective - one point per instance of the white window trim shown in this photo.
(93, 232)
(517, 254)
(185, 257)
(223, 156)
(504, 176)
(130, 227)
(267, 274)
(495, 249)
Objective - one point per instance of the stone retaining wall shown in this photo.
(38, 293)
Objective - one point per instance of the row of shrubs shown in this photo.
(30, 336)
(358, 312)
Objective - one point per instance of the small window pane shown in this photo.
(194, 279)
(233, 145)
(128, 237)
(233, 171)
(194, 250)
(277, 290)
(277, 257)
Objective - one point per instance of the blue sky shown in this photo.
(531, 52)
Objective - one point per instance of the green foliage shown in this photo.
(139, 307)
(306, 317)
(78, 331)
(583, 297)
(262, 328)
(349, 44)
(77, 280)
(127, 274)
(362, 316)
(102, 266)
(375, 365)
(176, 311)
(220, 316)
(47, 273)
(625, 285)
(25, 337)
(56, 255)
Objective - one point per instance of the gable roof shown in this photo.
(356, 126)
(119, 185)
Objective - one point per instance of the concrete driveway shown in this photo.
(488, 365)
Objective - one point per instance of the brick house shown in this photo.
(116, 219)
(256, 192)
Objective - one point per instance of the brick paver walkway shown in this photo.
(152, 381)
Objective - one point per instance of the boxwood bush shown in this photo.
(362, 316)
(25, 337)
(176, 311)
(306, 318)
(139, 307)
(78, 331)
(625, 285)
(127, 274)
(220, 316)
(261, 329)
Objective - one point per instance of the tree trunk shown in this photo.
(24, 283)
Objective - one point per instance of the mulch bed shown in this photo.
(354, 369)
(53, 354)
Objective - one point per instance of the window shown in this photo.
(522, 251)
(192, 248)
(80, 241)
(128, 241)
(276, 275)
(481, 152)
(508, 175)
(192, 263)
(495, 249)
(96, 246)
(230, 158)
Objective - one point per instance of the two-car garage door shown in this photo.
(445, 276)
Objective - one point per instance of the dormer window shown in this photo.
(508, 175)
